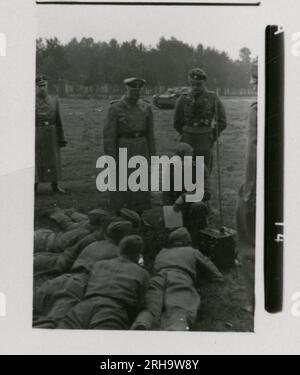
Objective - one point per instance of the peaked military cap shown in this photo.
(40, 80)
(135, 82)
(197, 74)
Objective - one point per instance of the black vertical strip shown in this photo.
(274, 167)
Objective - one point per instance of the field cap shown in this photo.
(131, 216)
(180, 236)
(135, 82)
(197, 74)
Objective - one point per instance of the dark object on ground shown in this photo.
(219, 246)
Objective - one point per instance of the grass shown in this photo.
(83, 124)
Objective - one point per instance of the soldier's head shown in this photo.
(131, 247)
(41, 86)
(133, 88)
(254, 75)
(133, 217)
(179, 237)
(197, 79)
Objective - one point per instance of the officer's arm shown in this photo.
(150, 131)
(59, 125)
(110, 133)
(221, 115)
(206, 267)
(178, 115)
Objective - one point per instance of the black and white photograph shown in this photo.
(129, 100)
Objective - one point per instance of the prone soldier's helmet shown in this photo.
(197, 74)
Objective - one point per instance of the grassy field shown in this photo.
(221, 304)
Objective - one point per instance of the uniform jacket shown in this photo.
(124, 119)
(195, 112)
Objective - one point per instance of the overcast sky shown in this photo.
(225, 28)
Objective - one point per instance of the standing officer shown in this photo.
(194, 113)
(49, 137)
(129, 124)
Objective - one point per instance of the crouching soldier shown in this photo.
(172, 296)
(114, 292)
(49, 137)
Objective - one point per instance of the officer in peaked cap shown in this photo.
(49, 137)
(194, 115)
(129, 125)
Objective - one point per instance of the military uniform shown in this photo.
(194, 113)
(49, 137)
(129, 126)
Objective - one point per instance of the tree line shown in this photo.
(91, 63)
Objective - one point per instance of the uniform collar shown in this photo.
(129, 105)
